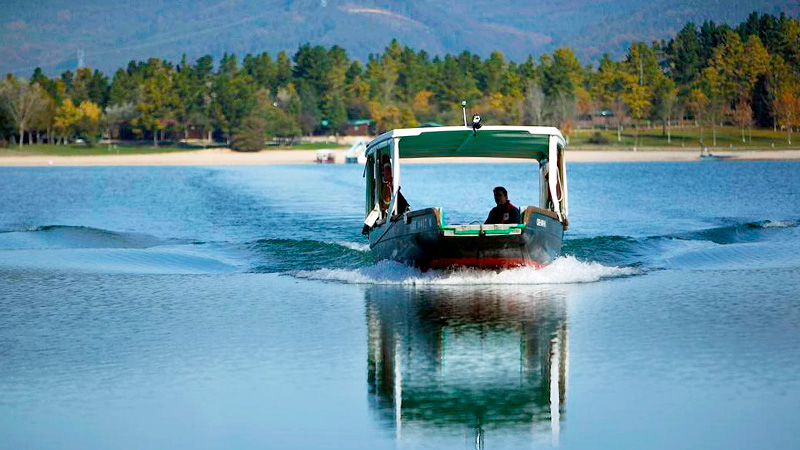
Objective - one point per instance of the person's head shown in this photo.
(500, 195)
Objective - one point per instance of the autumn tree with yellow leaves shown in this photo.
(787, 107)
(78, 121)
(735, 68)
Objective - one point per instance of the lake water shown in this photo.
(238, 307)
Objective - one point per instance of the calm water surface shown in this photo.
(238, 307)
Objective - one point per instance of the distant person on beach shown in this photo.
(504, 212)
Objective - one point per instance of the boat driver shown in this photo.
(504, 212)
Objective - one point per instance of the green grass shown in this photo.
(133, 149)
(83, 150)
(688, 137)
(308, 146)
(729, 138)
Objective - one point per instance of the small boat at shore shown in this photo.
(423, 239)
(325, 156)
(706, 155)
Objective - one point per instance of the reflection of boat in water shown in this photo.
(356, 153)
(325, 156)
(454, 360)
(423, 239)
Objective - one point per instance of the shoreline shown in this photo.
(226, 157)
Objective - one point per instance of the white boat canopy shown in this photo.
(543, 144)
(488, 141)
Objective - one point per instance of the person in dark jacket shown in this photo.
(504, 212)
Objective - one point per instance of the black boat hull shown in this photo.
(419, 239)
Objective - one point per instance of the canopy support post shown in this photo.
(395, 174)
(562, 163)
(552, 175)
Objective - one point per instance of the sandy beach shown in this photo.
(224, 157)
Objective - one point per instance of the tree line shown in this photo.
(712, 74)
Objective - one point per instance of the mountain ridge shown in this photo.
(51, 35)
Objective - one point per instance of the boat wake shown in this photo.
(564, 270)
(732, 246)
(66, 236)
(357, 246)
(94, 250)
(735, 245)
(284, 255)
(167, 260)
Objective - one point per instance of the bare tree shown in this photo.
(115, 116)
(23, 101)
(42, 119)
(743, 116)
(533, 111)
(618, 107)
(560, 108)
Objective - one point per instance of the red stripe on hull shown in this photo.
(484, 263)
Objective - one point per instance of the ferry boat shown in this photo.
(423, 239)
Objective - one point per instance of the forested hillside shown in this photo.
(712, 74)
(108, 34)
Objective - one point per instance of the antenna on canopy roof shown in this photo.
(464, 110)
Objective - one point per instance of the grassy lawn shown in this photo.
(83, 150)
(308, 146)
(133, 149)
(689, 137)
(728, 138)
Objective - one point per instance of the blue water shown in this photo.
(238, 307)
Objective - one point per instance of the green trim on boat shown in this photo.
(508, 230)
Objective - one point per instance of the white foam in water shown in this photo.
(779, 224)
(357, 246)
(565, 269)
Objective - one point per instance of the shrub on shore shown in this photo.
(251, 136)
(598, 139)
